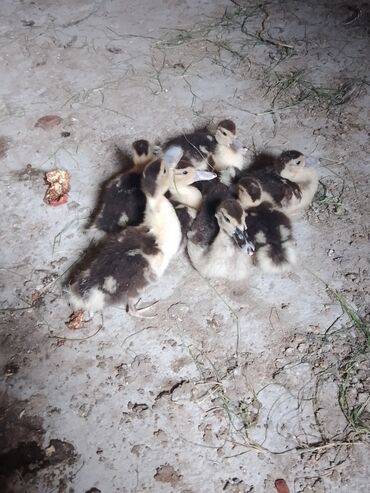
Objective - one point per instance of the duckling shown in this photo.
(203, 149)
(269, 229)
(228, 154)
(221, 251)
(291, 167)
(122, 200)
(197, 146)
(131, 260)
(266, 185)
(285, 181)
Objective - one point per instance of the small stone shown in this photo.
(48, 121)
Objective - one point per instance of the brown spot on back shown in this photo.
(228, 125)
(252, 186)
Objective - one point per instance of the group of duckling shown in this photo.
(197, 191)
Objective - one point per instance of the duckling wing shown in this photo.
(205, 227)
(267, 225)
(122, 203)
(197, 145)
(186, 217)
(271, 232)
(279, 188)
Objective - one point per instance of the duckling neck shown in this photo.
(188, 195)
(223, 242)
(300, 176)
(225, 157)
(140, 165)
(161, 219)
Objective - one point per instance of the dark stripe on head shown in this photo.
(252, 186)
(228, 125)
(141, 147)
(287, 156)
(233, 208)
(150, 175)
(184, 163)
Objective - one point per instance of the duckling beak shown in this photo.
(236, 145)
(200, 175)
(242, 239)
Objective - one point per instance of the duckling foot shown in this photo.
(133, 310)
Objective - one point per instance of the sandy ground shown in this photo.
(231, 386)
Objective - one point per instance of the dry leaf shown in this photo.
(48, 121)
(58, 181)
(35, 296)
(75, 320)
(281, 486)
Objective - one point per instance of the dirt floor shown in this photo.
(231, 386)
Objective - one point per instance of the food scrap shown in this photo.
(36, 298)
(75, 320)
(48, 121)
(58, 181)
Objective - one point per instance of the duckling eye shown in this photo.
(227, 219)
(164, 171)
(298, 162)
(185, 172)
(224, 133)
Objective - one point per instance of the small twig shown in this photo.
(135, 333)
(78, 21)
(51, 336)
(77, 338)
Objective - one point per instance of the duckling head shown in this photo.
(142, 152)
(290, 163)
(231, 219)
(226, 135)
(249, 192)
(185, 174)
(157, 175)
